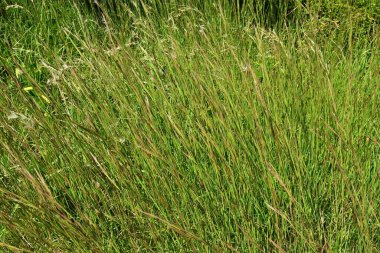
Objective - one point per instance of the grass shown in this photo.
(189, 126)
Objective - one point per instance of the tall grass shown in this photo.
(189, 126)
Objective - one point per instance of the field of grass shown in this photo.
(190, 126)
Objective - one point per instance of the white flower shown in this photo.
(14, 6)
(12, 115)
(201, 29)
(245, 68)
(28, 122)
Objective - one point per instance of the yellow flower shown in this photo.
(18, 72)
(28, 88)
(45, 98)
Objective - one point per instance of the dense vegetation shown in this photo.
(190, 126)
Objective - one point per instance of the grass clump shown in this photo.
(186, 126)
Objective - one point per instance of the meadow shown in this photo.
(190, 126)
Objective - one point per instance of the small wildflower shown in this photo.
(28, 88)
(112, 51)
(12, 115)
(45, 98)
(147, 101)
(18, 72)
(14, 6)
(173, 55)
(28, 122)
(201, 29)
(245, 68)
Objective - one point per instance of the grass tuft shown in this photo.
(189, 126)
